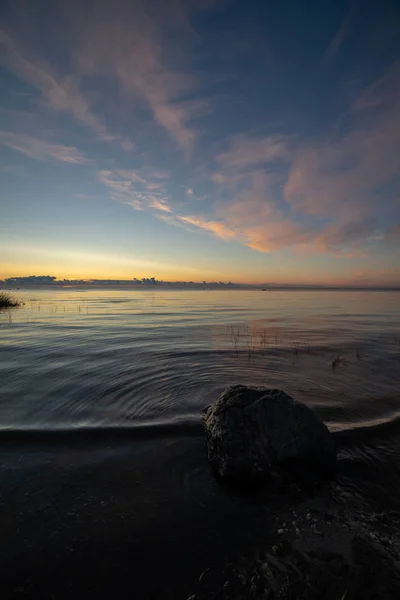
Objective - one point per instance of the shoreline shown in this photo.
(84, 287)
(146, 516)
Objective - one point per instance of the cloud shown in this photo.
(160, 174)
(219, 229)
(60, 93)
(347, 171)
(246, 151)
(334, 190)
(333, 195)
(127, 144)
(337, 40)
(128, 187)
(341, 235)
(218, 178)
(160, 205)
(41, 149)
(133, 43)
(121, 184)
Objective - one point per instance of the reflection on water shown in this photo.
(104, 358)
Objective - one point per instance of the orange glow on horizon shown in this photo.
(83, 273)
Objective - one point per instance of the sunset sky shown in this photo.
(252, 141)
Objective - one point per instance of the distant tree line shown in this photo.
(31, 280)
(38, 280)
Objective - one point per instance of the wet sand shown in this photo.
(98, 520)
(144, 518)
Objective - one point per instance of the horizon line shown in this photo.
(34, 280)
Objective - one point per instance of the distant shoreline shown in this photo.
(197, 287)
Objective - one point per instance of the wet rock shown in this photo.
(253, 433)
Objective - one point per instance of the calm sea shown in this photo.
(105, 358)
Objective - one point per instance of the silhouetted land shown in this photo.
(44, 281)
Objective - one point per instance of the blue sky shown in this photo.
(201, 139)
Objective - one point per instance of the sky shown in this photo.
(254, 141)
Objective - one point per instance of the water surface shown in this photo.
(133, 358)
(105, 483)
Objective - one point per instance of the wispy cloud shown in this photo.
(246, 151)
(160, 205)
(337, 40)
(121, 185)
(218, 228)
(42, 150)
(132, 42)
(132, 68)
(128, 187)
(59, 93)
(343, 178)
(276, 192)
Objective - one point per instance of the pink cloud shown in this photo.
(41, 149)
(219, 229)
(276, 235)
(342, 178)
(132, 44)
(348, 233)
(330, 189)
(218, 178)
(154, 185)
(160, 205)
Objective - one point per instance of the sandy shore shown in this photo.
(145, 519)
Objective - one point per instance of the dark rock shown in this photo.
(253, 433)
(328, 516)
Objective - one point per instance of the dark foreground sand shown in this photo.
(144, 519)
